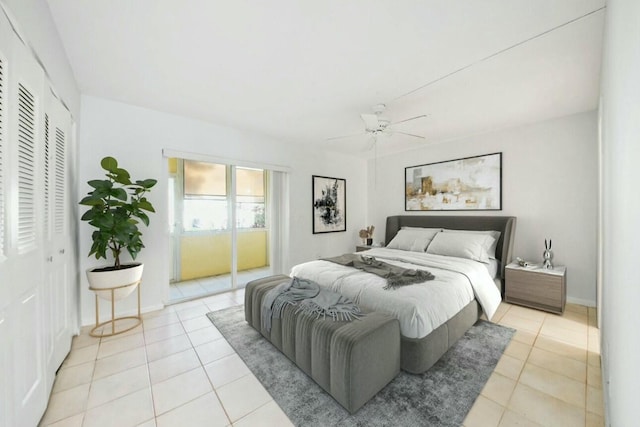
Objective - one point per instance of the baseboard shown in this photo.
(580, 301)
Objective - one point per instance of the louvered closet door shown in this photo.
(57, 290)
(25, 252)
(6, 384)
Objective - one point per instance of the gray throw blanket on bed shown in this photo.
(396, 276)
(314, 301)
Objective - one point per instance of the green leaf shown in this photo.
(144, 218)
(100, 183)
(88, 215)
(146, 205)
(122, 176)
(109, 164)
(147, 183)
(119, 193)
(91, 201)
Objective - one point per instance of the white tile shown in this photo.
(162, 320)
(556, 385)
(214, 350)
(121, 344)
(119, 362)
(192, 290)
(114, 386)
(129, 410)
(81, 355)
(196, 323)
(204, 335)
(121, 325)
(163, 333)
(214, 285)
(242, 396)
(84, 340)
(224, 296)
(170, 366)
(66, 403)
(174, 293)
(175, 391)
(205, 411)
(269, 415)
(226, 370)
(544, 409)
(221, 304)
(188, 304)
(484, 413)
(150, 423)
(156, 313)
(193, 312)
(73, 376)
(161, 349)
(75, 421)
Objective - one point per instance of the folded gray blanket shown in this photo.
(314, 301)
(396, 276)
(328, 303)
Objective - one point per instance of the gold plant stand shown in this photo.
(113, 318)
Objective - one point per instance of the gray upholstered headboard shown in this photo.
(505, 224)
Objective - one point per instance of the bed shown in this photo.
(435, 314)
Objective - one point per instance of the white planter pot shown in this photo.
(108, 280)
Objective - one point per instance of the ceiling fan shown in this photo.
(376, 125)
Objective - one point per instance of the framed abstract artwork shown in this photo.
(329, 204)
(471, 183)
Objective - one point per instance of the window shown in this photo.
(250, 198)
(207, 197)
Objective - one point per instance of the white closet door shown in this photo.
(36, 303)
(24, 252)
(56, 195)
(6, 385)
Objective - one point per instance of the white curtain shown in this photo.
(278, 221)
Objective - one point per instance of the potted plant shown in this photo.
(116, 207)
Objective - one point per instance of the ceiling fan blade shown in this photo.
(408, 120)
(408, 134)
(370, 121)
(353, 135)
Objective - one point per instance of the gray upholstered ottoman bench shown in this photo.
(352, 361)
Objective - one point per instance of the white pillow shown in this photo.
(415, 240)
(461, 245)
(491, 250)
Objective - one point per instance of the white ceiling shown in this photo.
(303, 71)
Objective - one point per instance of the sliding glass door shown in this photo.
(220, 226)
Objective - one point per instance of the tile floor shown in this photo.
(177, 370)
(549, 375)
(189, 289)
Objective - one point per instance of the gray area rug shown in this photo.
(442, 396)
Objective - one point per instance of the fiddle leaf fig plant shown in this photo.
(116, 207)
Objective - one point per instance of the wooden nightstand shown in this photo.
(360, 248)
(539, 288)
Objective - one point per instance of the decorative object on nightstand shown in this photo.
(366, 234)
(536, 287)
(547, 255)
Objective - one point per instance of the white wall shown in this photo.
(549, 182)
(620, 134)
(35, 23)
(136, 136)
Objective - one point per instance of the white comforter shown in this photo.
(422, 307)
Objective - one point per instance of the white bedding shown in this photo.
(422, 307)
